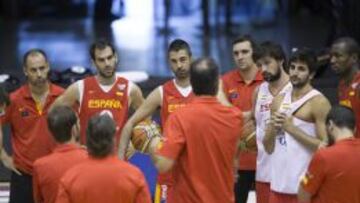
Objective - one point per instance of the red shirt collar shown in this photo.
(258, 76)
(52, 92)
(65, 147)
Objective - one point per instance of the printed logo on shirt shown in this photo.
(104, 104)
(24, 112)
(281, 138)
(172, 107)
(121, 87)
(120, 94)
(265, 107)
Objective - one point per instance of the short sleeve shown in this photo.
(314, 177)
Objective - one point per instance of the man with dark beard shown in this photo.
(104, 93)
(270, 58)
(345, 63)
(334, 172)
(296, 128)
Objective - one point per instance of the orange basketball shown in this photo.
(143, 133)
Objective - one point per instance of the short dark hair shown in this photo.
(4, 96)
(179, 44)
(269, 49)
(100, 45)
(33, 52)
(61, 120)
(342, 116)
(100, 135)
(204, 79)
(307, 56)
(351, 46)
(245, 38)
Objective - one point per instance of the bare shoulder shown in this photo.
(320, 102)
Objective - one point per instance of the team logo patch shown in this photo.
(119, 94)
(24, 112)
(233, 95)
(121, 87)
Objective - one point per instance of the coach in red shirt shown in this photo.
(26, 115)
(103, 177)
(239, 85)
(47, 171)
(200, 144)
(334, 172)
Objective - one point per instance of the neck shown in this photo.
(249, 74)
(39, 90)
(348, 77)
(280, 83)
(182, 82)
(344, 134)
(105, 81)
(299, 92)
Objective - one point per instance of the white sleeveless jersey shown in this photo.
(290, 158)
(262, 116)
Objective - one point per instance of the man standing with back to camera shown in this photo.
(201, 142)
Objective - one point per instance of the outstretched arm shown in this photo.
(148, 107)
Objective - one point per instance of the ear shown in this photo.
(24, 70)
(312, 75)
(354, 58)
(116, 58)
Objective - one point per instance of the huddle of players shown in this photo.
(291, 117)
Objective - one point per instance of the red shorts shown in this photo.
(276, 197)
(262, 192)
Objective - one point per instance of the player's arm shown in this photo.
(148, 107)
(320, 107)
(136, 97)
(272, 128)
(221, 95)
(165, 154)
(69, 97)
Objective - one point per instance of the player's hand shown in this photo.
(9, 163)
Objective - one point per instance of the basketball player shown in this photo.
(103, 93)
(296, 128)
(270, 58)
(345, 62)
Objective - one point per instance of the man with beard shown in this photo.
(296, 128)
(270, 58)
(334, 172)
(345, 62)
(239, 85)
(103, 93)
(170, 96)
(26, 115)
